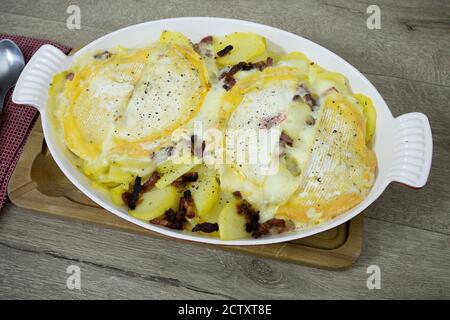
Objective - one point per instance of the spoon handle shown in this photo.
(2, 98)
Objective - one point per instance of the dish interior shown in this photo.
(277, 41)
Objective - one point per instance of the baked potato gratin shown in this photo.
(161, 130)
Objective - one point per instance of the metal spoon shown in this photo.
(11, 65)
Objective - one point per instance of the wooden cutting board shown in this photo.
(38, 184)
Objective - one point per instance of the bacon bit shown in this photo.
(229, 80)
(225, 51)
(197, 149)
(250, 214)
(304, 95)
(246, 66)
(267, 63)
(233, 70)
(237, 195)
(103, 55)
(185, 178)
(126, 197)
(173, 216)
(228, 83)
(70, 76)
(134, 197)
(285, 140)
(176, 220)
(297, 97)
(206, 227)
(261, 65)
(171, 219)
(131, 198)
(257, 229)
(203, 47)
(161, 221)
(309, 100)
(272, 226)
(186, 207)
(207, 40)
(150, 183)
(310, 121)
(272, 121)
(332, 89)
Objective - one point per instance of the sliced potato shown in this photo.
(294, 55)
(166, 167)
(205, 192)
(371, 116)
(140, 167)
(246, 46)
(119, 175)
(313, 71)
(214, 214)
(114, 176)
(262, 57)
(297, 60)
(170, 166)
(370, 113)
(171, 172)
(174, 37)
(275, 55)
(231, 223)
(155, 203)
(94, 168)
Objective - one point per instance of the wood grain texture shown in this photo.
(36, 250)
(408, 60)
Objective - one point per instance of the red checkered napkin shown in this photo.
(16, 121)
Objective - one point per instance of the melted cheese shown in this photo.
(341, 170)
(256, 112)
(169, 93)
(94, 98)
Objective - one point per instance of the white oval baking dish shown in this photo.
(403, 145)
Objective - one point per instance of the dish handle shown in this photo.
(412, 150)
(34, 81)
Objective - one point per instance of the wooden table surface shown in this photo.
(406, 231)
